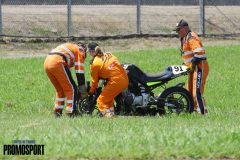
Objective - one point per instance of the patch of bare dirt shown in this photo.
(28, 50)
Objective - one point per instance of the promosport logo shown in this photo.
(23, 147)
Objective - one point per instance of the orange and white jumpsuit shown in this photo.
(194, 53)
(107, 66)
(57, 66)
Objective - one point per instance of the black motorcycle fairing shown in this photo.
(136, 74)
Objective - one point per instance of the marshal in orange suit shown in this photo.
(106, 66)
(57, 66)
(194, 56)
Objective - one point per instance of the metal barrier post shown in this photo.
(0, 16)
(138, 16)
(202, 18)
(69, 18)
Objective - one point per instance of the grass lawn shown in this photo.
(26, 101)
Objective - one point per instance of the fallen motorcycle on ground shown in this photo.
(139, 98)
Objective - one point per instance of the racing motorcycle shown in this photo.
(139, 98)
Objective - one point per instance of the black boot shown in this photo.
(58, 113)
(74, 114)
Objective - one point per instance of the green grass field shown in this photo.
(26, 101)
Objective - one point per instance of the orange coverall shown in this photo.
(107, 66)
(57, 66)
(193, 52)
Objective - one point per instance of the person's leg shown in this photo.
(60, 97)
(113, 88)
(69, 88)
(50, 67)
(198, 86)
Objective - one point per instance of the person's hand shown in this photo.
(90, 93)
(83, 95)
(83, 92)
(191, 68)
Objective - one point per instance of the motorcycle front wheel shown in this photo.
(175, 100)
(87, 106)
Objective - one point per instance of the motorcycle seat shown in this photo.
(162, 76)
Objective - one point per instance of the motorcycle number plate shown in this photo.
(179, 69)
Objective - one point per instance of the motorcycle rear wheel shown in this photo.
(175, 100)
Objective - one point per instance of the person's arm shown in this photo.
(95, 77)
(80, 78)
(198, 51)
(79, 69)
